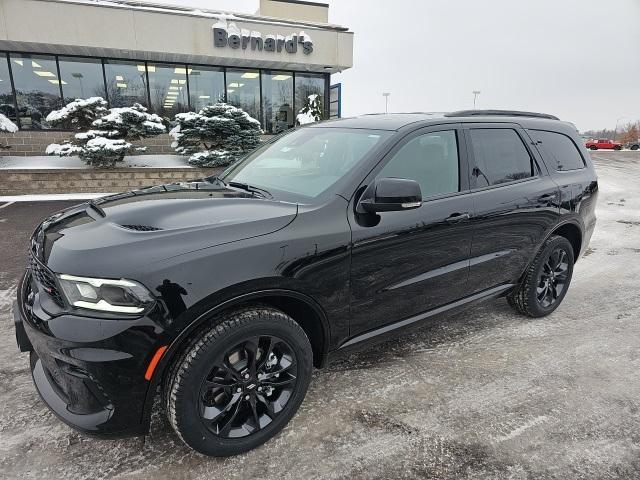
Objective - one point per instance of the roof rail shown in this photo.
(506, 113)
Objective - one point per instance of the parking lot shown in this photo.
(485, 394)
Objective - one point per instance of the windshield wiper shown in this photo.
(252, 189)
(215, 180)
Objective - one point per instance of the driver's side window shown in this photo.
(431, 160)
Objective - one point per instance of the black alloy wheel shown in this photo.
(248, 387)
(239, 382)
(546, 281)
(552, 280)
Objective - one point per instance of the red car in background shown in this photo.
(603, 144)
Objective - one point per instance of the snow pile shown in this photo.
(7, 125)
(91, 106)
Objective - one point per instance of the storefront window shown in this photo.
(168, 89)
(126, 83)
(277, 94)
(309, 84)
(7, 106)
(243, 91)
(37, 88)
(206, 86)
(81, 77)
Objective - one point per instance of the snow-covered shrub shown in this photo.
(107, 141)
(311, 112)
(215, 136)
(7, 126)
(79, 114)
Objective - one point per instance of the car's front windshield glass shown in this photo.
(305, 162)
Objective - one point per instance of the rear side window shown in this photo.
(500, 157)
(558, 149)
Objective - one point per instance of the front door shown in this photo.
(413, 261)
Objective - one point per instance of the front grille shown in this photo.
(46, 279)
(141, 228)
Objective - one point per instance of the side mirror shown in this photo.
(391, 195)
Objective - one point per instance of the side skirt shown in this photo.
(485, 294)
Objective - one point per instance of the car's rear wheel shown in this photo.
(240, 382)
(617, 148)
(635, 147)
(547, 279)
(593, 147)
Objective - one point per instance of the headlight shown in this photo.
(117, 296)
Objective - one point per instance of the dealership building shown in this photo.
(170, 59)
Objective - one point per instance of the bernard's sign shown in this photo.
(229, 35)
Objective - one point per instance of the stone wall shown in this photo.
(34, 142)
(23, 182)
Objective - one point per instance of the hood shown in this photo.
(121, 233)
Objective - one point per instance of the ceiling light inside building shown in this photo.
(19, 62)
(43, 73)
(182, 82)
(281, 77)
(119, 78)
(230, 90)
(57, 82)
(35, 64)
(121, 85)
(250, 75)
(204, 97)
(172, 87)
(174, 80)
(181, 71)
(236, 85)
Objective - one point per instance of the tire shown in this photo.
(593, 147)
(635, 147)
(240, 381)
(617, 148)
(525, 299)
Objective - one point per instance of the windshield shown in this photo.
(305, 162)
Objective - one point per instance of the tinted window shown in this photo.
(37, 88)
(431, 160)
(277, 97)
(307, 161)
(168, 89)
(243, 91)
(81, 78)
(559, 149)
(206, 86)
(126, 83)
(500, 157)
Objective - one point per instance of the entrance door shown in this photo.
(414, 261)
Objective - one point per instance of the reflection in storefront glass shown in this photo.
(243, 90)
(126, 83)
(206, 86)
(81, 78)
(37, 88)
(277, 94)
(168, 89)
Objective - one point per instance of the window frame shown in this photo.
(401, 142)
(544, 157)
(536, 159)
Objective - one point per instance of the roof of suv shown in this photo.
(396, 121)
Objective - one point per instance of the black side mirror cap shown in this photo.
(391, 195)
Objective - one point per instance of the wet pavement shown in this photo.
(485, 394)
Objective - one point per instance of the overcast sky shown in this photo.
(578, 59)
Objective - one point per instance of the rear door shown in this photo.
(515, 203)
(413, 261)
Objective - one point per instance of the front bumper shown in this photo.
(89, 371)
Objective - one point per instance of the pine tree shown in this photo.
(7, 126)
(107, 142)
(79, 114)
(215, 136)
(311, 112)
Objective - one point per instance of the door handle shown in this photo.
(457, 217)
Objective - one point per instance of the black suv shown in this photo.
(224, 292)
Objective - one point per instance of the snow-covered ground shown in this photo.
(63, 163)
(486, 394)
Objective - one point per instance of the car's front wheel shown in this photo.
(547, 279)
(240, 382)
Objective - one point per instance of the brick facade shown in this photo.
(34, 142)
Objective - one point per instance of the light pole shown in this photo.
(615, 130)
(475, 95)
(386, 101)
